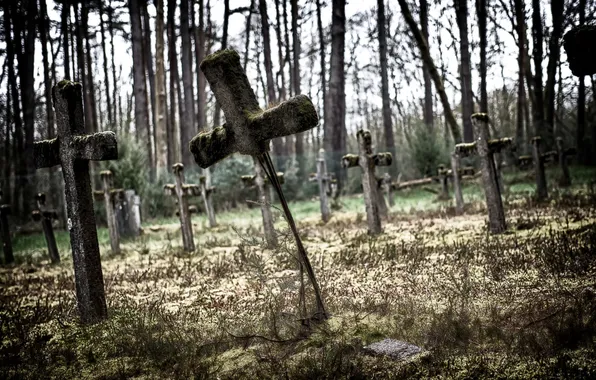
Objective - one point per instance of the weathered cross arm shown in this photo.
(100, 146)
(248, 128)
(494, 145)
(250, 180)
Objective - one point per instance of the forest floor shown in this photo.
(518, 305)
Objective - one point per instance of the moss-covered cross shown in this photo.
(73, 150)
(46, 217)
(112, 198)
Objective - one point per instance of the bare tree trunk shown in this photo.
(282, 62)
(44, 28)
(161, 133)
(428, 91)
(247, 34)
(557, 8)
(335, 135)
(116, 95)
(89, 68)
(467, 98)
(581, 103)
(481, 12)
(424, 51)
(187, 124)
(537, 34)
(200, 55)
(521, 56)
(297, 77)
(174, 90)
(64, 17)
(148, 64)
(387, 121)
(224, 44)
(111, 119)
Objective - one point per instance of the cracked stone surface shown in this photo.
(396, 349)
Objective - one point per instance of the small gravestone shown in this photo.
(182, 192)
(5, 232)
(539, 160)
(524, 162)
(486, 148)
(263, 191)
(249, 130)
(395, 349)
(367, 161)
(206, 192)
(324, 180)
(73, 150)
(46, 217)
(562, 154)
(112, 199)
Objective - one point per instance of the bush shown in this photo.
(427, 151)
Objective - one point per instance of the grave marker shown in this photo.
(388, 189)
(457, 191)
(324, 180)
(73, 150)
(562, 154)
(128, 214)
(367, 161)
(206, 191)
(443, 177)
(249, 130)
(263, 191)
(45, 217)
(485, 149)
(539, 158)
(182, 191)
(5, 231)
(112, 199)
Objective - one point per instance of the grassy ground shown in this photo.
(518, 305)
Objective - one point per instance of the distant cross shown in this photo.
(388, 189)
(112, 199)
(182, 191)
(46, 217)
(486, 148)
(324, 180)
(73, 150)
(206, 191)
(367, 162)
(457, 191)
(381, 203)
(249, 130)
(5, 231)
(263, 191)
(562, 154)
(539, 160)
(443, 177)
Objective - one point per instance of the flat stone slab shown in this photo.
(395, 349)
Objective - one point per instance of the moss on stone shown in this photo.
(465, 149)
(224, 57)
(481, 116)
(496, 145)
(349, 160)
(105, 173)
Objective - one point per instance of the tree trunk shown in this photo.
(554, 48)
(426, 57)
(187, 124)
(117, 110)
(296, 78)
(282, 63)
(387, 121)
(428, 91)
(89, 68)
(467, 98)
(537, 35)
(481, 12)
(64, 17)
(521, 93)
(111, 119)
(224, 44)
(174, 90)
(161, 133)
(582, 147)
(201, 82)
(247, 34)
(335, 135)
(148, 64)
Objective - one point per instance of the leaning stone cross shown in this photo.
(324, 181)
(249, 130)
(562, 154)
(111, 198)
(182, 191)
(46, 217)
(485, 149)
(263, 191)
(367, 162)
(206, 191)
(73, 150)
(5, 231)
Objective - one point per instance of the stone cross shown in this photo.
(539, 159)
(485, 149)
(324, 181)
(388, 189)
(5, 231)
(45, 217)
(382, 204)
(73, 150)
(128, 215)
(206, 191)
(367, 162)
(249, 130)
(562, 154)
(263, 191)
(182, 191)
(443, 177)
(112, 199)
(459, 197)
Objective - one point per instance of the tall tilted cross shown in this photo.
(45, 217)
(182, 191)
(367, 162)
(249, 130)
(485, 149)
(263, 191)
(206, 191)
(73, 150)
(5, 231)
(324, 181)
(112, 199)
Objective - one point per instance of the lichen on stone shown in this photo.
(349, 160)
(481, 116)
